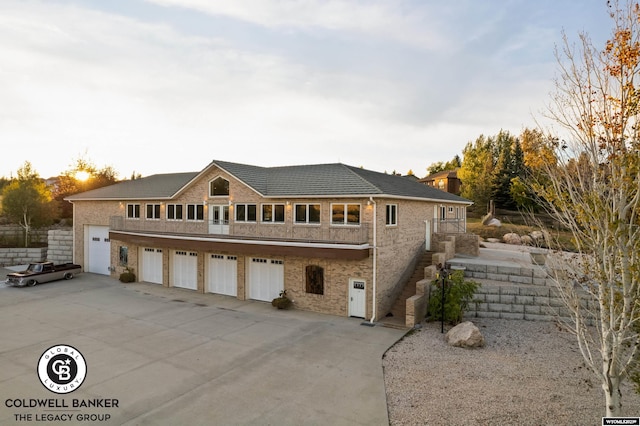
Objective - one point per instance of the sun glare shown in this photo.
(82, 176)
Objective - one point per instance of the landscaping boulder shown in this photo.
(512, 238)
(465, 335)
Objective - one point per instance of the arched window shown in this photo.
(315, 279)
(218, 187)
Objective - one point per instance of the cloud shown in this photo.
(400, 21)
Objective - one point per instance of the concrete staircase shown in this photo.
(398, 310)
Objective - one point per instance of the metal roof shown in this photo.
(316, 180)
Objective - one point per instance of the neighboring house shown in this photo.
(446, 180)
(336, 237)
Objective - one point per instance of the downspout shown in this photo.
(375, 255)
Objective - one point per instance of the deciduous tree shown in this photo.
(27, 201)
(593, 190)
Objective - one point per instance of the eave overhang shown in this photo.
(249, 246)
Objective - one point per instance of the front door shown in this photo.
(357, 298)
(219, 219)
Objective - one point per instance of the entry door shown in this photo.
(99, 249)
(266, 279)
(222, 275)
(219, 219)
(151, 268)
(185, 269)
(357, 298)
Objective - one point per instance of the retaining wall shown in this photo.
(21, 256)
(60, 248)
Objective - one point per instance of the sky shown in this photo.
(162, 86)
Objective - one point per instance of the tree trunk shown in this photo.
(613, 397)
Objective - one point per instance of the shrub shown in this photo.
(282, 302)
(127, 276)
(458, 293)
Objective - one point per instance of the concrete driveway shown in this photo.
(174, 357)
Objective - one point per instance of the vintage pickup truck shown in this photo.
(42, 272)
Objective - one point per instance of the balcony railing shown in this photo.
(324, 233)
(450, 226)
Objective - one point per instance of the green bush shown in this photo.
(458, 293)
(128, 276)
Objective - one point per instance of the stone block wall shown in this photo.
(21, 256)
(14, 235)
(60, 245)
(467, 244)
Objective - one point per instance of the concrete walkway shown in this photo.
(172, 356)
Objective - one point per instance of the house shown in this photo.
(335, 237)
(446, 180)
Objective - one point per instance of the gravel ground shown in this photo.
(528, 373)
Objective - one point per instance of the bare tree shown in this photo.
(593, 191)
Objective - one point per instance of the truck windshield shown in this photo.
(35, 267)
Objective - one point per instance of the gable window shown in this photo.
(133, 211)
(195, 212)
(153, 211)
(219, 187)
(174, 211)
(246, 212)
(307, 213)
(314, 279)
(345, 214)
(392, 214)
(273, 213)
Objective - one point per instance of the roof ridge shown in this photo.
(351, 170)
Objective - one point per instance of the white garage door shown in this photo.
(98, 249)
(151, 265)
(222, 275)
(185, 269)
(266, 278)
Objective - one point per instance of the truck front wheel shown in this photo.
(31, 283)
(68, 276)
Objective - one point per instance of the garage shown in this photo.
(266, 278)
(222, 274)
(185, 269)
(98, 249)
(151, 265)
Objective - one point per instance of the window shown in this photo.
(441, 184)
(392, 214)
(219, 187)
(153, 211)
(443, 213)
(314, 279)
(450, 209)
(246, 212)
(123, 255)
(174, 211)
(345, 214)
(133, 211)
(307, 213)
(195, 212)
(273, 212)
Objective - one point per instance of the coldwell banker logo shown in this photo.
(62, 369)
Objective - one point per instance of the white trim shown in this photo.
(364, 246)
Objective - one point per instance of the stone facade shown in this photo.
(391, 247)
